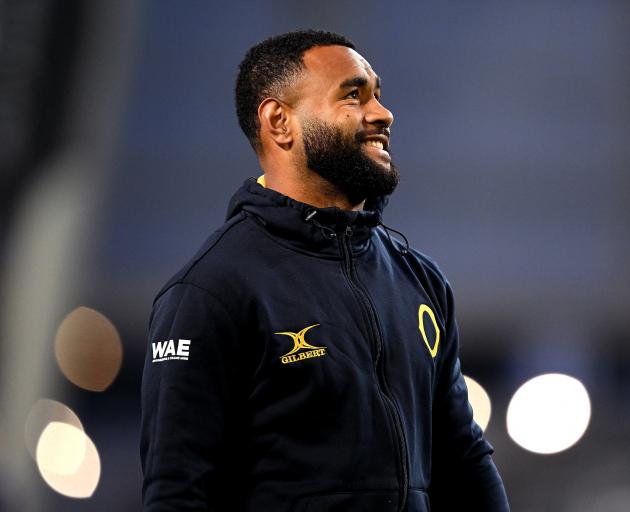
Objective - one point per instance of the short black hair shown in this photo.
(270, 66)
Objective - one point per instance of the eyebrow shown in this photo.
(358, 81)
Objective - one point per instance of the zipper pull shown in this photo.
(349, 231)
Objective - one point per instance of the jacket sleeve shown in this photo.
(464, 476)
(189, 406)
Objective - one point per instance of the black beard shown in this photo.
(342, 161)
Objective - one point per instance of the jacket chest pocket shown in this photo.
(413, 342)
(324, 353)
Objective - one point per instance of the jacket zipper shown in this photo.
(362, 295)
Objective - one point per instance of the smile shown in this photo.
(376, 143)
(378, 148)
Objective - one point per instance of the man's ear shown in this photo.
(273, 116)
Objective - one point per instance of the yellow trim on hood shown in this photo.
(261, 180)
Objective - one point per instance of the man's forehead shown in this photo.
(335, 64)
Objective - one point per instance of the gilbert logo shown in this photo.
(423, 331)
(300, 344)
(167, 350)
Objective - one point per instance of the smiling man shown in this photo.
(320, 364)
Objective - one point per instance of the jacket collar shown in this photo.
(303, 226)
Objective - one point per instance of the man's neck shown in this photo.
(310, 188)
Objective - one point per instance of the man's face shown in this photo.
(345, 129)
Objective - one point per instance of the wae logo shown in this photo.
(301, 348)
(167, 350)
(421, 316)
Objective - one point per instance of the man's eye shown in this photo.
(354, 94)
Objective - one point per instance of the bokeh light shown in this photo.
(549, 413)
(68, 460)
(480, 402)
(61, 448)
(46, 411)
(88, 349)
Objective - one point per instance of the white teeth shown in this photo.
(376, 143)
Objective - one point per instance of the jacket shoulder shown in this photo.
(424, 265)
(213, 259)
(435, 272)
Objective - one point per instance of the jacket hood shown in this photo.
(305, 226)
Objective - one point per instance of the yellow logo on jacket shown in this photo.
(300, 344)
(421, 311)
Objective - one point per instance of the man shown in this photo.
(305, 360)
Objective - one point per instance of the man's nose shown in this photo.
(378, 114)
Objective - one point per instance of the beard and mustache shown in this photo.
(342, 161)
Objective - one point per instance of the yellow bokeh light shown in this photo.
(88, 349)
(549, 413)
(479, 401)
(61, 448)
(68, 460)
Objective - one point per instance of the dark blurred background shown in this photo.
(119, 150)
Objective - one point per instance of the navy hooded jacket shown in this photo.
(304, 360)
